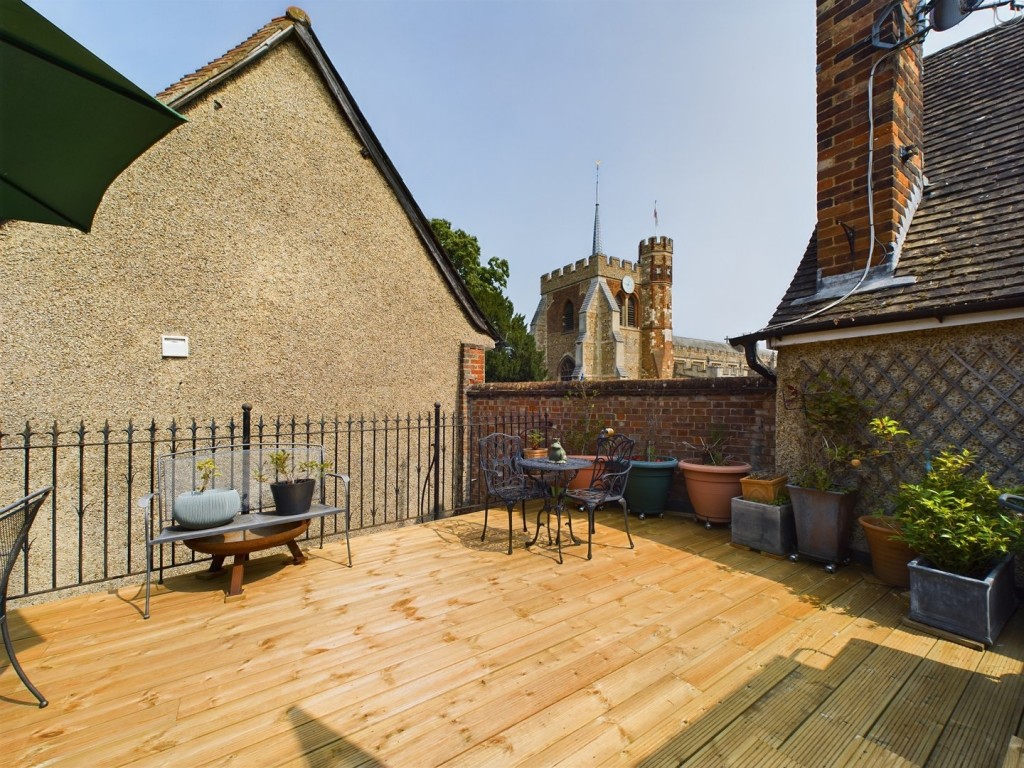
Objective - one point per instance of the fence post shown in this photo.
(437, 460)
(246, 457)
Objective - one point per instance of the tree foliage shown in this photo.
(486, 283)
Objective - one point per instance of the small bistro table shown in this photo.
(565, 472)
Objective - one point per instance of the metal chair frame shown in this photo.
(15, 521)
(611, 472)
(500, 457)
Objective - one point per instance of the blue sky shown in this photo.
(495, 111)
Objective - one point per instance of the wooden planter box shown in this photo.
(977, 609)
(764, 527)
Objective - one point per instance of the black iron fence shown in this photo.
(403, 470)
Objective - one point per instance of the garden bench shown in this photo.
(257, 526)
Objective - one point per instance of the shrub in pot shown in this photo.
(890, 555)
(963, 580)
(293, 483)
(823, 486)
(535, 448)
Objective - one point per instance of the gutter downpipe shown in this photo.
(750, 352)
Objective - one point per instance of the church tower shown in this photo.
(656, 354)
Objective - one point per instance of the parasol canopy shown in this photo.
(69, 123)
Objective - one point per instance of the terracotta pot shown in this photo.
(585, 475)
(712, 487)
(889, 558)
(535, 453)
(763, 491)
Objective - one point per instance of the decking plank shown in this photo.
(439, 646)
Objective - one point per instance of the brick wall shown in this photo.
(845, 59)
(673, 412)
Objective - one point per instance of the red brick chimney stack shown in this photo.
(845, 59)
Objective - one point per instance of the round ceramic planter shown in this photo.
(206, 509)
(889, 557)
(712, 487)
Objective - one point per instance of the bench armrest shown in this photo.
(343, 478)
(147, 500)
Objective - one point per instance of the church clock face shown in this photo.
(627, 284)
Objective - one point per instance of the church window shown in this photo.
(627, 309)
(568, 316)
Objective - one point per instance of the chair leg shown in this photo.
(523, 503)
(590, 530)
(487, 503)
(625, 520)
(510, 506)
(17, 667)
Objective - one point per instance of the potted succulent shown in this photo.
(963, 580)
(206, 507)
(713, 479)
(824, 485)
(292, 483)
(890, 555)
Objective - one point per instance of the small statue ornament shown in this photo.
(556, 453)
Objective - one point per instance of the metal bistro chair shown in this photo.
(611, 471)
(500, 455)
(15, 521)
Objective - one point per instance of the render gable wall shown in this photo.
(259, 231)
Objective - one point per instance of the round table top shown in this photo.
(251, 540)
(546, 465)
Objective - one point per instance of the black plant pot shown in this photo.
(293, 498)
(824, 524)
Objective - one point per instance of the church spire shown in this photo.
(597, 210)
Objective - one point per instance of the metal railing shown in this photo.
(403, 470)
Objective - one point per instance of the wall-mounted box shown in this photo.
(174, 346)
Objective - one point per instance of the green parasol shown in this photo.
(69, 124)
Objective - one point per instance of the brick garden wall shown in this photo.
(674, 414)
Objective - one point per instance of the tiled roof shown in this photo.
(233, 57)
(965, 246)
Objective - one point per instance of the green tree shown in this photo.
(520, 361)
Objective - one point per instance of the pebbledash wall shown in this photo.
(674, 413)
(264, 232)
(259, 231)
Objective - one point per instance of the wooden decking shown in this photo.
(438, 650)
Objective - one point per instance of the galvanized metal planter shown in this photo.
(824, 524)
(977, 609)
(764, 527)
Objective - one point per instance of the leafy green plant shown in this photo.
(953, 517)
(834, 416)
(283, 466)
(207, 469)
(534, 439)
